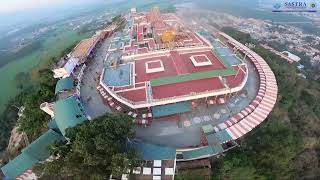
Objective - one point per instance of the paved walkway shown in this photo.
(89, 93)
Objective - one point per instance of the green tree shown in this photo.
(286, 145)
(59, 149)
(46, 78)
(34, 121)
(97, 149)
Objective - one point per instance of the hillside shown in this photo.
(287, 145)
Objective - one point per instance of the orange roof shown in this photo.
(81, 50)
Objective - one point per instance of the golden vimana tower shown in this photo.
(168, 36)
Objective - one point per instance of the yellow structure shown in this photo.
(168, 36)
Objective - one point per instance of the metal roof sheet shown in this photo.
(18, 165)
(155, 152)
(171, 109)
(68, 113)
(64, 84)
(38, 149)
(35, 152)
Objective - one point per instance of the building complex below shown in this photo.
(190, 94)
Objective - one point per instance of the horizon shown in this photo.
(18, 12)
(18, 6)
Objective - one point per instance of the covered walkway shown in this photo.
(202, 152)
(171, 109)
(154, 152)
(35, 152)
(64, 84)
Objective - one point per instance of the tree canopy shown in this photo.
(95, 149)
(286, 145)
(34, 122)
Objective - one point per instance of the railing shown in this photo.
(79, 78)
(174, 99)
(179, 151)
(187, 97)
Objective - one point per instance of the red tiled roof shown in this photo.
(154, 64)
(185, 88)
(235, 80)
(200, 59)
(216, 64)
(137, 95)
(141, 74)
(142, 50)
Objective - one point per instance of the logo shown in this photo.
(291, 5)
(277, 6)
(295, 5)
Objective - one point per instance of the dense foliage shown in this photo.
(34, 121)
(286, 145)
(7, 121)
(37, 87)
(96, 148)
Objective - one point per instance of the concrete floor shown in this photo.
(89, 94)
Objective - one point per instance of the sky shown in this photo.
(13, 6)
(21, 12)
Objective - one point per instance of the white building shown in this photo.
(133, 10)
(291, 56)
(48, 108)
(65, 67)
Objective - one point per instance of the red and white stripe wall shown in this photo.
(27, 175)
(262, 105)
